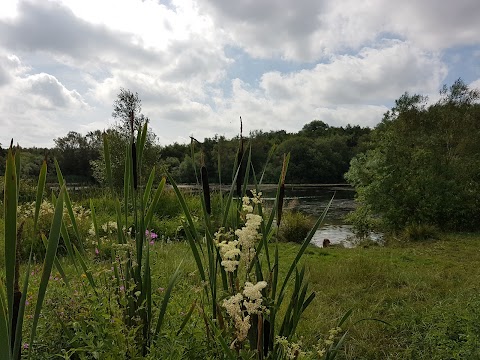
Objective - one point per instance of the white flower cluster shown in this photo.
(292, 350)
(251, 301)
(248, 236)
(243, 248)
(229, 250)
(27, 210)
(253, 297)
(110, 227)
(248, 203)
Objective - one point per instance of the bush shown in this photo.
(294, 227)
(29, 239)
(420, 232)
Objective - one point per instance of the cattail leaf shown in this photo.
(281, 181)
(42, 178)
(120, 235)
(166, 299)
(142, 139)
(68, 205)
(94, 221)
(184, 206)
(270, 154)
(154, 202)
(56, 262)
(10, 201)
(5, 353)
(68, 243)
(226, 349)
(192, 154)
(187, 317)
(226, 211)
(196, 254)
(127, 177)
(206, 189)
(17, 168)
(134, 166)
(108, 162)
(148, 187)
(86, 271)
(53, 239)
(21, 311)
(302, 249)
(281, 198)
(147, 292)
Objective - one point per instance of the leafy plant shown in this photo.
(12, 299)
(244, 293)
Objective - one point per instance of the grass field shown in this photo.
(425, 293)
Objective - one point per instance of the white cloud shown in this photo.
(311, 29)
(374, 75)
(77, 54)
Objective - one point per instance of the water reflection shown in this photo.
(312, 200)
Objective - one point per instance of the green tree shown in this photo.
(74, 153)
(424, 166)
(127, 110)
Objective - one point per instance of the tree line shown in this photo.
(319, 153)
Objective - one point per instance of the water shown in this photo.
(312, 200)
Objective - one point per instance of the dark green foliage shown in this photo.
(294, 227)
(420, 232)
(74, 153)
(424, 167)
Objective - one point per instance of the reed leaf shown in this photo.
(154, 202)
(42, 178)
(302, 249)
(141, 140)
(184, 206)
(21, 312)
(5, 353)
(148, 187)
(206, 189)
(53, 239)
(108, 162)
(68, 205)
(165, 300)
(56, 262)
(95, 222)
(187, 317)
(10, 218)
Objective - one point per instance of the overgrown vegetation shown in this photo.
(424, 165)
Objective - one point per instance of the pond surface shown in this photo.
(312, 200)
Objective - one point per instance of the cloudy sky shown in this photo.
(198, 65)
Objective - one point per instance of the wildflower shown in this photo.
(25, 346)
(150, 234)
(229, 253)
(96, 251)
(253, 296)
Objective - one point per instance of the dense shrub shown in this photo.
(295, 226)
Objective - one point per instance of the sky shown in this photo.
(198, 65)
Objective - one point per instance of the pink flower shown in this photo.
(25, 346)
(96, 251)
(150, 234)
(152, 242)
